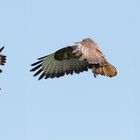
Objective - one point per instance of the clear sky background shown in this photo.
(78, 107)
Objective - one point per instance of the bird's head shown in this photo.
(87, 41)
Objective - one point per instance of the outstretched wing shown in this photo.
(58, 64)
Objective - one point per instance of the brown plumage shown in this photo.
(80, 57)
(106, 70)
(2, 58)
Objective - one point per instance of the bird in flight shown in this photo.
(2, 58)
(80, 57)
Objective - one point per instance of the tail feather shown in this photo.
(106, 70)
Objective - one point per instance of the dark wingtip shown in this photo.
(36, 63)
(42, 57)
(1, 48)
(42, 76)
(37, 67)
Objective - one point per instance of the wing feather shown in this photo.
(49, 67)
(89, 53)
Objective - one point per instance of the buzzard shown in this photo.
(80, 57)
(2, 58)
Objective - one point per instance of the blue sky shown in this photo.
(74, 107)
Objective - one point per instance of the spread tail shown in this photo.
(106, 70)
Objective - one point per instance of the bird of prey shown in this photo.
(2, 58)
(80, 57)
